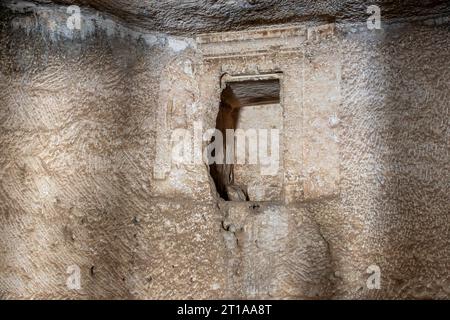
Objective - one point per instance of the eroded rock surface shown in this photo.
(219, 15)
(86, 118)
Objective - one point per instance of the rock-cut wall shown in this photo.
(86, 181)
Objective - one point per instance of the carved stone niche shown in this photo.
(305, 63)
(250, 118)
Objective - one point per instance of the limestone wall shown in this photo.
(86, 118)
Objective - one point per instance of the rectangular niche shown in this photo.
(251, 105)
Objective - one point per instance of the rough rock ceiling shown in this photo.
(260, 92)
(185, 16)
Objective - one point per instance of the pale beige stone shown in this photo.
(86, 177)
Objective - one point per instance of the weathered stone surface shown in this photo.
(175, 16)
(86, 118)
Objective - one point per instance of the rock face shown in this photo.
(90, 118)
(175, 16)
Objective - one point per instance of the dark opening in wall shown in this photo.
(235, 96)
